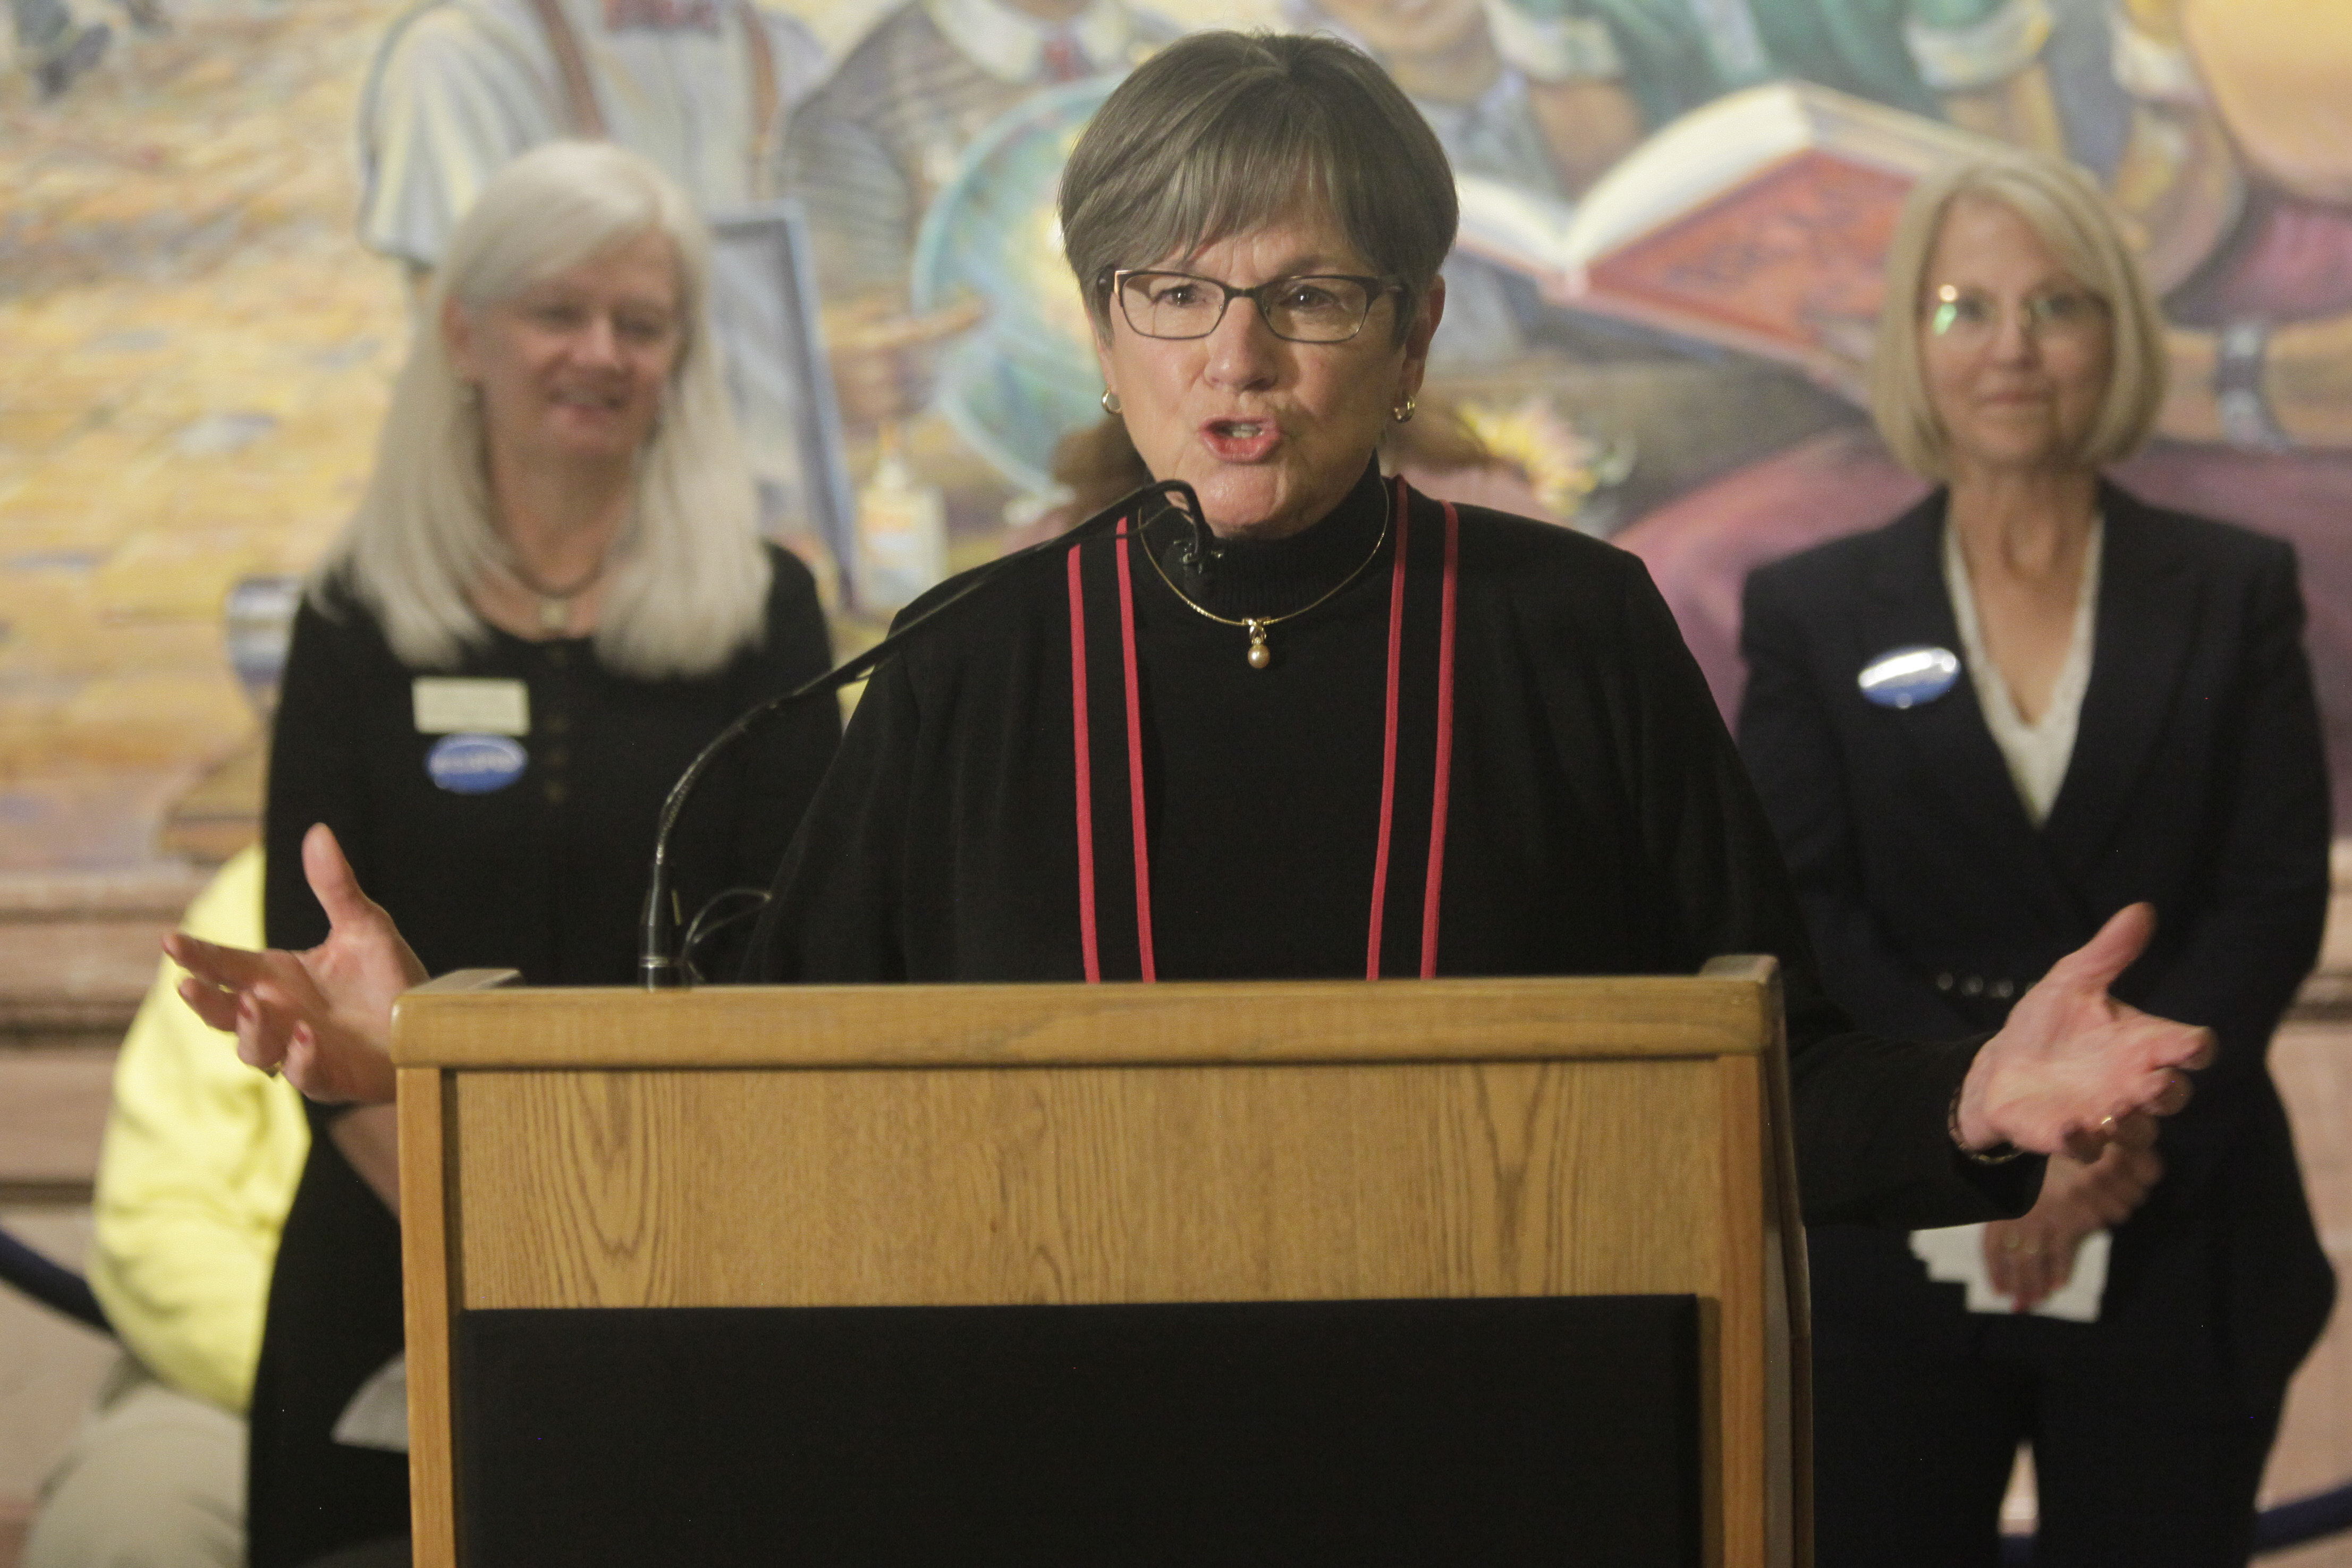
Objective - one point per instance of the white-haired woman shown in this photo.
(551, 595)
(2028, 702)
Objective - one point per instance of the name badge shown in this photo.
(452, 705)
(475, 764)
(1905, 677)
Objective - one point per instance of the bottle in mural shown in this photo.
(902, 531)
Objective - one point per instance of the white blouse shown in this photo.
(2037, 754)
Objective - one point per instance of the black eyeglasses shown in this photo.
(1319, 307)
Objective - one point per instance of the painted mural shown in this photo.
(214, 214)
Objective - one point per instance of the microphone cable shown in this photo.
(662, 965)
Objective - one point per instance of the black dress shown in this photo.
(544, 875)
(1545, 758)
(2197, 782)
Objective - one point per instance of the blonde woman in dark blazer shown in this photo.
(1981, 730)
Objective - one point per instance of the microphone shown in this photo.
(660, 965)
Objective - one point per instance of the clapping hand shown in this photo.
(2030, 1258)
(322, 1016)
(2074, 1070)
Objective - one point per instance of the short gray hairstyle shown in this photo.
(1220, 132)
(2059, 205)
(690, 580)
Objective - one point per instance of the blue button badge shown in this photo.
(475, 764)
(1905, 677)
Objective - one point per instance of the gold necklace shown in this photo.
(1260, 654)
(554, 603)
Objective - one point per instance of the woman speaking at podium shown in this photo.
(1360, 732)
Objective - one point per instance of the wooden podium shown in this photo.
(816, 1219)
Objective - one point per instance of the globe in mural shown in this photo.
(1027, 376)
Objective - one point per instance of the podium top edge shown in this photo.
(471, 1021)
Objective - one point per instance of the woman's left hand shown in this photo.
(2030, 1257)
(2074, 1070)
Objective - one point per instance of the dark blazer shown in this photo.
(2197, 783)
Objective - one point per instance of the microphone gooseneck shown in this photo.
(660, 965)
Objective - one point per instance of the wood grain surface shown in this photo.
(426, 1197)
(1063, 1185)
(457, 1022)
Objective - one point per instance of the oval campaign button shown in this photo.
(475, 764)
(1905, 677)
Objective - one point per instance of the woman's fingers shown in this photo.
(302, 1062)
(331, 879)
(2096, 962)
(2173, 1046)
(2174, 1097)
(2137, 1132)
(230, 968)
(2001, 1249)
(216, 1006)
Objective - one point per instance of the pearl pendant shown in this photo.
(555, 616)
(1260, 656)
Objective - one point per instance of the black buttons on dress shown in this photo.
(552, 761)
(1977, 985)
(552, 722)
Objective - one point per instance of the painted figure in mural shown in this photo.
(460, 87)
(1535, 102)
(869, 150)
(58, 47)
(1975, 62)
(2245, 195)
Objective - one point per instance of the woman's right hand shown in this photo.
(2033, 1256)
(322, 1016)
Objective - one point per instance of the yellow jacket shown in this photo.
(201, 1155)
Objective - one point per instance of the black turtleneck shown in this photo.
(1248, 770)
(1599, 820)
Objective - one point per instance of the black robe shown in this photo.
(1596, 819)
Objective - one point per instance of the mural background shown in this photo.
(195, 341)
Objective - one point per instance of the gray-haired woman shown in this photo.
(551, 595)
(1365, 733)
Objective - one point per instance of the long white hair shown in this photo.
(688, 580)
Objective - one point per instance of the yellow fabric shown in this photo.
(201, 1157)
